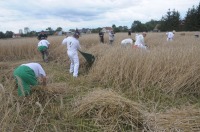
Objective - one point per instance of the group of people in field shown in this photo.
(29, 74)
(140, 42)
(111, 36)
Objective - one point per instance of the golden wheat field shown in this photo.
(125, 89)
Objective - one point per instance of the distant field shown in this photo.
(125, 89)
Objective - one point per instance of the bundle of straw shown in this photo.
(110, 110)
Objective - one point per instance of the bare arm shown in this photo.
(44, 81)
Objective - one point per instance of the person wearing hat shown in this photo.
(26, 75)
(73, 46)
(139, 42)
(42, 35)
(43, 47)
(170, 35)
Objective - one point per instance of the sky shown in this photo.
(38, 15)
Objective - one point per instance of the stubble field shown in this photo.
(126, 89)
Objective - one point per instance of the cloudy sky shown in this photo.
(38, 15)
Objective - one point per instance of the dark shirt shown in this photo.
(101, 37)
(101, 34)
(129, 33)
(42, 36)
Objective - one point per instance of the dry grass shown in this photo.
(186, 119)
(154, 85)
(110, 111)
(172, 67)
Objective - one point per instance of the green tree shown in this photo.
(96, 30)
(115, 29)
(137, 26)
(8, 34)
(192, 19)
(31, 34)
(170, 21)
(151, 25)
(50, 30)
(59, 29)
(2, 35)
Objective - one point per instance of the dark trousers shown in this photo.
(45, 55)
(101, 39)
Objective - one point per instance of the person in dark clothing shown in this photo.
(101, 36)
(129, 32)
(42, 35)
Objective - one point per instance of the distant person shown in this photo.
(73, 46)
(136, 35)
(139, 42)
(126, 42)
(196, 34)
(129, 32)
(111, 37)
(43, 47)
(170, 35)
(42, 35)
(77, 31)
(101, 36)
(26, 75)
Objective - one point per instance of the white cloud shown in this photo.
(40, 14)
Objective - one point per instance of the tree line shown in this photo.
(170, 21)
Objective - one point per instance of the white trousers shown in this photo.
(74, 66)
(169, 39)
(141, 46)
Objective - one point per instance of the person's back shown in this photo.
(37, 68)
(43, 46)
(170, 36)
(44, 42)
(139, 40)
(127, 41)
(26, 76)
(72, 44)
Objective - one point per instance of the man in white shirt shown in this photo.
(73, 46)
(140, 43)
(27, 75)
(43, 47)
(126, 42)
(170, 36)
